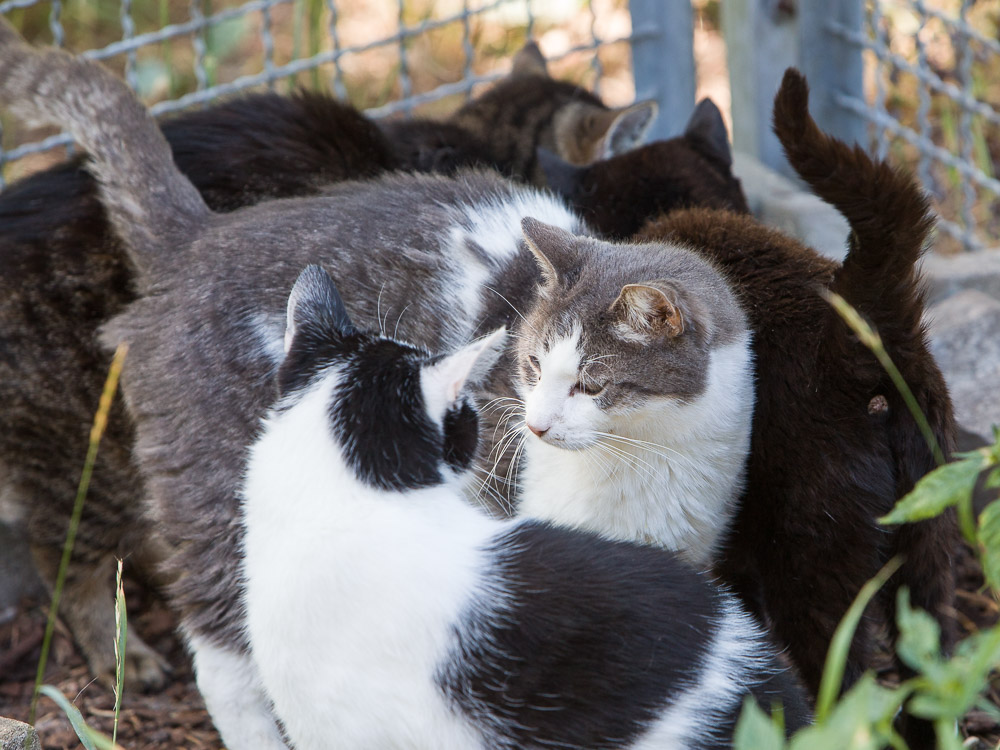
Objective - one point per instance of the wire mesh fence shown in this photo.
(933, 90)
(387, 57)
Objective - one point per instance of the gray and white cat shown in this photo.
(384, 611)
(638, 349)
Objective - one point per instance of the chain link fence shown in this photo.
(932, 89)
(387, 57)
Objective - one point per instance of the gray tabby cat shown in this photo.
(433, 260)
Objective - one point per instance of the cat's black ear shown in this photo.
(444, 381)
(562, 177)
(707, 127)
(649, 309)
(552, 248)
(315, 301)
(529, 61)
(627, 128)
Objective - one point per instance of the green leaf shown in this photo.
(861, 720)
(840, 645)
(947, 735)
(943, 488)
(951, 687)
(756, 730)
(992, 480)
(919, 635)
(91, 739)
(988, 536)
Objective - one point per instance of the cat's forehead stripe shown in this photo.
(563, 354)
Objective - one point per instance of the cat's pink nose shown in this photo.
(537, 430)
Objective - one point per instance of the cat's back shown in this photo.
(775, 277)
(266, 146)
(593, 643)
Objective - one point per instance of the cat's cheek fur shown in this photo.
(682, 495)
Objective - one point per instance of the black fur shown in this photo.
(590, 640)
(461, 436)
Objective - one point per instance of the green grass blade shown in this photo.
(121, 627)
(840, 645)
(96, 432)
(90, 738)
(873, 341)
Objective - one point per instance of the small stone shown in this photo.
(16, 735)
(949, 274)
(965, 340)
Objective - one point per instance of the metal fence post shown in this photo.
(761, 41)
(833, 64)
(663, 61)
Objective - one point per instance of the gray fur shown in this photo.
(150, 203)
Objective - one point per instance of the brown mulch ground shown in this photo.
(176, 717)
(172, 718)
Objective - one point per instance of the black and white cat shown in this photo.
(437, 260)
(384, 611)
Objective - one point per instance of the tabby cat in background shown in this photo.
(66, 273)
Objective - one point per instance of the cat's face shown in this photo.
(612, 342)
(398, 416)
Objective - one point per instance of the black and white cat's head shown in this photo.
(398, 416)
(622, 334)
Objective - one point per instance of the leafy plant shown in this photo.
(944, 688)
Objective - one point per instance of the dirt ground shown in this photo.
(176, 717)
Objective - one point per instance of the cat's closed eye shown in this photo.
(533, 370)
(588, 387)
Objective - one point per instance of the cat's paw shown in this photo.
(145, 670)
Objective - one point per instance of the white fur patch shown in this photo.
(231, 686)
(737, 654)
(675, 489)
(352, 591)
(269, 330)
(496, 222)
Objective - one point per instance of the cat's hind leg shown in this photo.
(234, 695)
(87, 607)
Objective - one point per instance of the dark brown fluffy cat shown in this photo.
(833, 444)
(65, 274)
(618, 195)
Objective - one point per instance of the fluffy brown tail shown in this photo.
(887, 211)
(151, 204)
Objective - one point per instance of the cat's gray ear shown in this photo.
(314, 300)
(647, 310)
(706, 125)
(529, 61)
(627, 128)
(562, 177)
(443, 381)
(551, 247)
